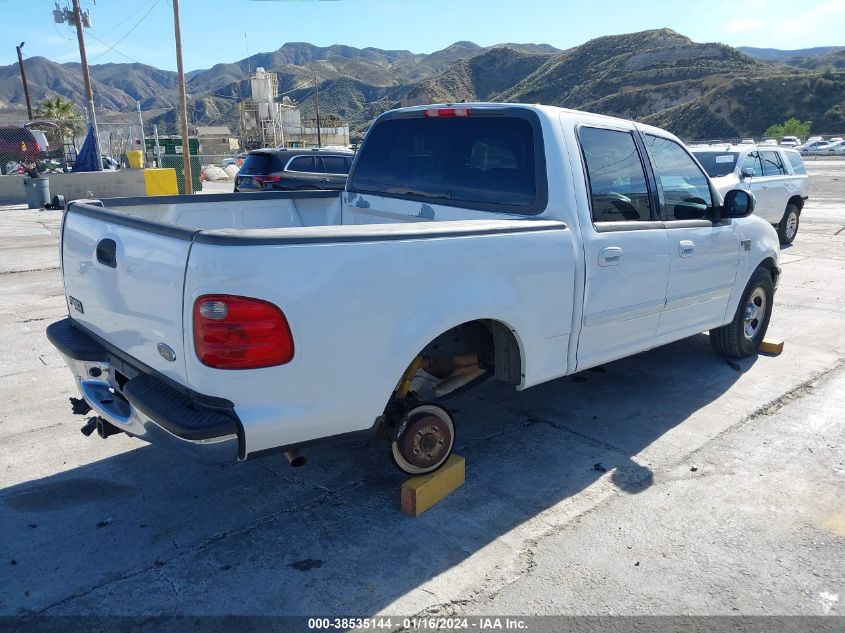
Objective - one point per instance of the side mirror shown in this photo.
(738, 204)
(748, 172)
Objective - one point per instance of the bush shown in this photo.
(790, 127)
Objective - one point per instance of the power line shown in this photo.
(126, 19)
(128, 33)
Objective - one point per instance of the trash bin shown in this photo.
(135, 158)
(37, 192)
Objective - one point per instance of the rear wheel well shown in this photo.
(461, 357)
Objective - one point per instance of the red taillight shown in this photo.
(261, 180)
(447, 112)
(240, 333)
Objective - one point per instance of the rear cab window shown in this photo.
(488, 163)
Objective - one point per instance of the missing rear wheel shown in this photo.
(425, 440)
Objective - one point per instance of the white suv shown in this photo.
(775, 175)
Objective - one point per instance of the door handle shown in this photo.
(107, 253)
(686, 248)
(610, 256)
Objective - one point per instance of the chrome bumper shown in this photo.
(98, 384)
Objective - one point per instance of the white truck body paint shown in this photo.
(367, 281)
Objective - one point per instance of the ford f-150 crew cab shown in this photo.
(473, 241)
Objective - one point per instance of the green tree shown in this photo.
(61, 110)
(790, 127)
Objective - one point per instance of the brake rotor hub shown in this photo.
(425, 440)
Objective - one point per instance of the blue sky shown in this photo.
(214, 31)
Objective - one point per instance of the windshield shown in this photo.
(717, 163)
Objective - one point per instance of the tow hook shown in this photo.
(103, 427)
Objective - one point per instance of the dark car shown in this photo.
(17, 145)
(292, 169)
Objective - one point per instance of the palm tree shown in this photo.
(61, 110)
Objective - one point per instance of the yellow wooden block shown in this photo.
(161, 182)
(420, 493)
(770, 346)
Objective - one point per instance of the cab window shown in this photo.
(686, 189)
(618, 189)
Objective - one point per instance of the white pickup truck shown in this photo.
(474, 241)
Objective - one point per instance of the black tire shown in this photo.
(425, 441)
(788, 227)
(733, 340)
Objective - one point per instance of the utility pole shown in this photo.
(317, 86)
(23, 79)
(143, 137)
(183, 103)
(81, 20)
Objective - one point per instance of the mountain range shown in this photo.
(697, 90)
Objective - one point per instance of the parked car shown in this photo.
(482, 240)
(811, 147)
(837, 147)
(769, 141)
(747, 141)
(283, 169)
(18, 146)
(775, 175)
(790, 141)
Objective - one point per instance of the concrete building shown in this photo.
(217, 140)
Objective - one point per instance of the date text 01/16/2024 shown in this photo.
(419, 623)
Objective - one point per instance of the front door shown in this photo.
(626, 250)
(703, 251)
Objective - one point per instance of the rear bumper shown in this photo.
(141, 403)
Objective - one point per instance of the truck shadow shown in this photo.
(146, 532)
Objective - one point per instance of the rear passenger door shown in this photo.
(703, 250)
(626, 249)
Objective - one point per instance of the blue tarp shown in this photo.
(88, 158)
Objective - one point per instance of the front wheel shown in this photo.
(424, 441)
(742, 336)
(788, 227)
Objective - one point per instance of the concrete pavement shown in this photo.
(569, 485)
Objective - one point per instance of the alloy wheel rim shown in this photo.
(755, 314)
(791, 224)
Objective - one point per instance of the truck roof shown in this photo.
(546, 110)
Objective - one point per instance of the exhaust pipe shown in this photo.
(105, 428)
(294, 458)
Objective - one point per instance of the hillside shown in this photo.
(747, 106)
(660, 76)
(780, 55)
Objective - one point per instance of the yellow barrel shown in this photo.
(135, 158)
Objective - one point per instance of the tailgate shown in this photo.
(123, 281)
